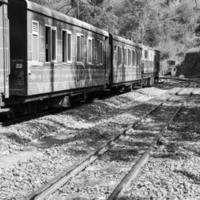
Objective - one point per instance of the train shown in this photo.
(48, 57)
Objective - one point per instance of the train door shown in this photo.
(139, 64)
(4, 50)
(157, 64)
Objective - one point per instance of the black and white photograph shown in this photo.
(99, 100)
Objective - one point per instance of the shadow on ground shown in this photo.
(83, 141)
(195, 179)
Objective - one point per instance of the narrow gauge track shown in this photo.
(191, 80)
(64, 177)
(136, 168)
(142, 160)
(188, 81)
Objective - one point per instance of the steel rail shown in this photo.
(132, 174)
(64, 177)
(180, 79)
(136, 168)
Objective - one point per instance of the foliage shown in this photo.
(167, 24)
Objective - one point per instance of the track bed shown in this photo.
(54, 143)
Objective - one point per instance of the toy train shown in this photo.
(48, 57)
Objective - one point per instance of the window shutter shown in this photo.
(35, 27)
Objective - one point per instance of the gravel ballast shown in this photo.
(34, 152)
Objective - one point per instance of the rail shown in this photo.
(136, 169)
(61, 179)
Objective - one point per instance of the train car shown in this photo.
(4, 52)
(48, 57)
(126, 58)
(150, 65)
(53, 55)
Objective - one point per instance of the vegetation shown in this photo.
(168, 25)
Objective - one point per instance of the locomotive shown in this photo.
(48, 57)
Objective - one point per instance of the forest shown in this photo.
(168, 25)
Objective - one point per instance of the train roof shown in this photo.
(64, 18)
(126, 41)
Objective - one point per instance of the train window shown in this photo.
(99, 52)
(125, 57)
(35, 40)
(119, 55)
(133, 58)
(93, 51)
(115, 54)
(69, 46)
(54, 43)
(64, 46)
(48, 43)
(129, 57)
(90, 50)
(138, 57)
(146, 55)
(79, 49)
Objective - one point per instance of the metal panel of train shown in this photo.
(126, 61)
(149, 64)
(63, 53)
(58, 54)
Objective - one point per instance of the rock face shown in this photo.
(191, 64)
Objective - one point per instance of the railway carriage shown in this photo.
(63, 53)
(48, 57)
(150, 65)
(53, 55)
(125, 62)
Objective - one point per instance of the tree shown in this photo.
(97, 13)
(130, 18)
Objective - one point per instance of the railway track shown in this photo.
(63, 164)
(65, 176)
(182, 81)
(46, 191)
